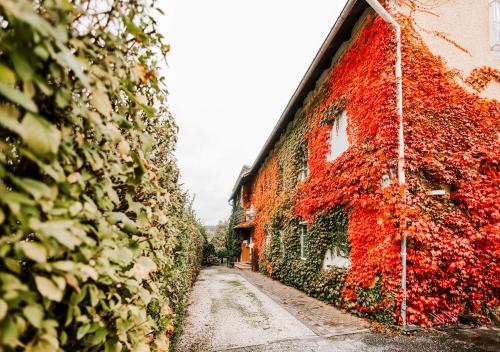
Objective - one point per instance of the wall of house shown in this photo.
(459, 31)
(452, 155)
(341, 201)
(353, 204)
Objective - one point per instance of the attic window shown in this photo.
(495, 25)
(338, 137)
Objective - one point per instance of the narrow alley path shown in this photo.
(234, 310)
(227, 311)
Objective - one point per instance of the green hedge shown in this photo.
(98, 244)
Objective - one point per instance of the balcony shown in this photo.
(244, 218)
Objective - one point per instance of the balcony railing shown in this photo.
(242, 216)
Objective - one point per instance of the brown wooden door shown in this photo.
(245, 252)
(255, 259)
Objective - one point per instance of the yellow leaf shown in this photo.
(101, 102)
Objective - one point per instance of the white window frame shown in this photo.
(303, 234)
(495, 25)
(386, 179)
(338, 141)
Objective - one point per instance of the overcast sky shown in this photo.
(233, 66)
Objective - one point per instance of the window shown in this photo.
(250, 213)
(495, 25)
(304, 168)
(386, 179)
(338, 137)
(303, 234)
(268, 240)
(337, 258)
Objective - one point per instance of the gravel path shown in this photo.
(240, 311)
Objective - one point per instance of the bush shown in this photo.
(221, 253)
(98, 244)
(209, 254)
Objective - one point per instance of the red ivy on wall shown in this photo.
(364, 79)
(264, 196)
(451, 144)
(480, 77)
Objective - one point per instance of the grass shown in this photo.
(234, 283)
(213, 307)
(253, 297)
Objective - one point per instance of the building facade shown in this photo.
(347, 187)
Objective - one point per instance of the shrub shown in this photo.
(93, 225)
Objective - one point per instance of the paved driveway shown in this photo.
(227, 311)
(240, 311)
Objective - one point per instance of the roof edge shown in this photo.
(309, 79)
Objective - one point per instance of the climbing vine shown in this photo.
(480, 77)
(451, 146)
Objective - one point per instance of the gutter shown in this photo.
(382, 12)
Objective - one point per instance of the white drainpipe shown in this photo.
(382, 12)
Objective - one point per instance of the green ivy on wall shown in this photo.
(328, 231)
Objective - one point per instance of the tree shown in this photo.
(233, 244)
(219, 239)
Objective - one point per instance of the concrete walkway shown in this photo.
(242, 311)
(227, 311)
(324, 319)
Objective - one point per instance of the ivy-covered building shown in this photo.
(377, 190)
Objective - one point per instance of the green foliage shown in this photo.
(371, 299)
(209, 256)
(328, 231)
(218, 239)
(98, 244)
(233, 245)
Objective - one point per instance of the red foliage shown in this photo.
(451, 142)
(264, 197)
(481, 76)
(364, 79)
